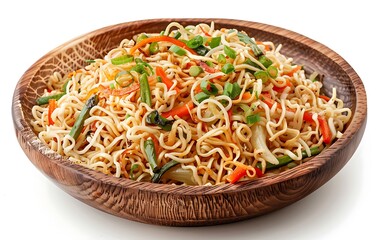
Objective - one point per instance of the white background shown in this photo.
(347, 207)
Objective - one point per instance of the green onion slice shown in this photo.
(228, 68)
(122, 59)
(208, 88)
(195, 42)
(215, 42)
(229, 52)
(177, 50)
(195, 71)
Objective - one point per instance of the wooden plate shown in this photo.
(190, 205)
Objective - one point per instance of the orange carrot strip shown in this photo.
(91, 93)
(181, 111)
(161, 39)
(160, 72)
(246, 96)
(237, 174)
(52, 105)
(290, 74)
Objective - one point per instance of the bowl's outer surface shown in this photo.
(190, 205)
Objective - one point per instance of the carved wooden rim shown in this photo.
(359, 118)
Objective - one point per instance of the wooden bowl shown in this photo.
(190, 205)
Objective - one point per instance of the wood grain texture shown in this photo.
(190, 205)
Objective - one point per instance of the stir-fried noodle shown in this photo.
(191, 105)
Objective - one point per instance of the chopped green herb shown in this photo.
(208, 88)
(254, 118)
(215, 41)
(228, 68)
(263, 75)
(272, 71)
(195, 71)
(122, 59)
(200, 97)
(229, 52)
(195, 42)
(221, 59)
(265, 61)
(177, 50)
(156, 119)
(246, 39)
(177, 35)
(141, 37)
(201, 50)
(132, 169)
(154, 48)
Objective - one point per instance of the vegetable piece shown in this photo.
(221, 59)
(151, 155)
(228, 68)
(246, 96)
(158, 174)
(291, 72)
(141, 37)
(45, 100)
(206, 68)
(181, 111)
(52, 105)
(254, 118)
(263, 75)
(181, 175)
(84, 114)
(284, 160)
(323, 125)
(231, 90)
(229, 52)
(272, 71)
(237, 174)
(259, 142)
(90, 61)
(132, 169)
(200, 97)
(326, 98)
(325, 130)
(156, 119)
(195, 42)
(177, 35)
(265, 61)
(195, 71)
(122, 59)
(154, 48)
(145, 89)
(177, 50)
(246, 39)
(208, 88)
(215, 41)
(161, 39)
(161, 73)
(281, 89)
(201, 50)
(251, 63)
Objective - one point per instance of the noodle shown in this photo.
(206, 115)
